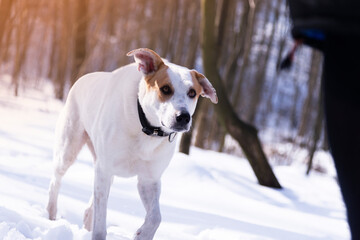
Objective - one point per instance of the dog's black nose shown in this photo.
(183, 118)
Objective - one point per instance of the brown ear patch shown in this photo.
(207, 89)
(196, 85)
(148, 61)
(158, 80)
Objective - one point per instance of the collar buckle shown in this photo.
(157, 132)
(172, 136)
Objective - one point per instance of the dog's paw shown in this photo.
(52, 212)
(138, 235)
(88, 219)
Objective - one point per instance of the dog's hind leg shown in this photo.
(88, 215)
(149, 191)
(70, 138)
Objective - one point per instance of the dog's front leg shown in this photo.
(101, 193)
(149, 191)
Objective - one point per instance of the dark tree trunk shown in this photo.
(244, 133)
(317, 130)
(186, 138)
(203, 125)
(260, 76)
(313, 78)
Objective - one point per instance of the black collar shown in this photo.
(150, 130)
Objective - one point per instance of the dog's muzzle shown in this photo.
(182, 122)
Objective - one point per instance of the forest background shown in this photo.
(58, 41)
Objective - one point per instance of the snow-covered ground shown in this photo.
(207, 195)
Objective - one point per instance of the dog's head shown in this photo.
(168, 93)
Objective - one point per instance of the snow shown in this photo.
(205, 196)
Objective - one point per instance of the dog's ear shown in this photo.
(208, 90)
(148, 61)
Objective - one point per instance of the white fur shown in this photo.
(101, 111)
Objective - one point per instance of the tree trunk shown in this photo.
(80, 37)
(313, 77)
(54, 41)
(222, 141)
(260, 76)
(240, 44)
(182, 28)
(244, 133)
(185, 143)
(111, 18)
(63, 51)
(193, 44)
(186, 138)
(5, 16)
(293, 116)
(203, 124)
(250, 24)
(168, 35)
(221, 25)
(22, 38)
(317, 130)
(5, 11)
(215, 132)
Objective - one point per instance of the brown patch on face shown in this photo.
(158, 80)
(197, 87)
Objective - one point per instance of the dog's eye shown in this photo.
(166, 90)
(191, 93)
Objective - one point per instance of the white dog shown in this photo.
(128, 118)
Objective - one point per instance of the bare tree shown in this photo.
(260, 76)
(317, 128)
(313, 79)
(250, 36)
(24, 27)
(5, 13)
(244, 133)
(81, 21)
(63, 49)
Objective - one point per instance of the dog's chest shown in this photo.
(148, 149)
(143, 155)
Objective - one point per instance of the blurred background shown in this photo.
(56, 41)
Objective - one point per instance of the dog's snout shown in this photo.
(181, 121)
(183, 118)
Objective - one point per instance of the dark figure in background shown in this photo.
(333, 26)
